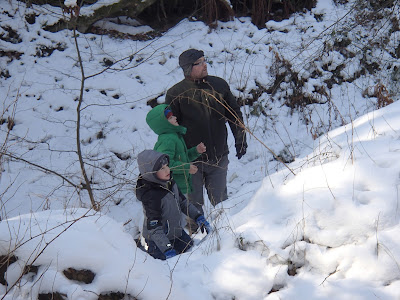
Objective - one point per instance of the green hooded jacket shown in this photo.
(170, 141)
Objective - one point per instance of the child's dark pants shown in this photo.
(181, 245)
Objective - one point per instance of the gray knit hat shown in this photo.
(187, 58)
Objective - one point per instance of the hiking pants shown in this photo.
(213, 177)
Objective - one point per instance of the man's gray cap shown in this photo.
(188, 58)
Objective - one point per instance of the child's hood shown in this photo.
(149, 162)
(159, 123)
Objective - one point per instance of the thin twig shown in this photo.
(43, 168)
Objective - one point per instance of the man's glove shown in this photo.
(241, 149)
(203, 224)
(170, 253)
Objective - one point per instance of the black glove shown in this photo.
(240, 149)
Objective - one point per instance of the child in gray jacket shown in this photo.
(163, 205)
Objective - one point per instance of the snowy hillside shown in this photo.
(328, 232)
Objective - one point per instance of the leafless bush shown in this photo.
(383, 96)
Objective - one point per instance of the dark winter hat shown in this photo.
(168, 113)
(188, 58)
(162, 160)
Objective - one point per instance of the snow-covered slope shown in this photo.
(333, 225)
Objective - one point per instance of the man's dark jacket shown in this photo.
(203, 107)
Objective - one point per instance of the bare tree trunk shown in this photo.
(88, 187)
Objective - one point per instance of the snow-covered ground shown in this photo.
(328, 232)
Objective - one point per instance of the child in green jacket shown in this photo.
(170, 141)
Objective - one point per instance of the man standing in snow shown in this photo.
(203, 104)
